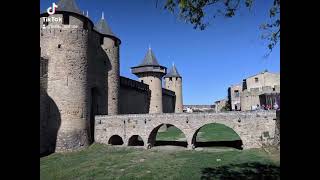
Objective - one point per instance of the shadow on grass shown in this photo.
(171, 143)
(234, 144)
(242, 171)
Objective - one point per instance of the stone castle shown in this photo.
(80, 78)
(260, 89)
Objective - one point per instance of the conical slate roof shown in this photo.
(68, 6)
(103, 27)
(149, 59)
(173, 72)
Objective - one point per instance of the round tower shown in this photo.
(173, 82)
(151, 73)
(110, 44)
(64, 38)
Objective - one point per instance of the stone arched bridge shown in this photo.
(254, 128)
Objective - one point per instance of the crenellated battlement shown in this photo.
(133, 84)
(168, 92)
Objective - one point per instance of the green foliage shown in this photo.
(195, 12)
(227, 107)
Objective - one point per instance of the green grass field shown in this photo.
(172, 134)
(209, 132)
(111, 162)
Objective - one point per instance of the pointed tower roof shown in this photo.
(103, 28)
(173, 72)
(68, 6)
(149, 59)
(149, 64)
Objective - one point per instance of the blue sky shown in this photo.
(209, 61)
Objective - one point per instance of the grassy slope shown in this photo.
(106, 162)
(210, 132)
(171, 134)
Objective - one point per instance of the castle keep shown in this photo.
(80, 78)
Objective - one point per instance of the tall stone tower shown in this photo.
(111, 44)
(173, 82)
(151, 73)
(64, 40)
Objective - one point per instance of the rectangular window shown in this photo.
(65, 19)
(256, 79)
(236, 93)
(85, 25)
(101, 40)
(244, 84)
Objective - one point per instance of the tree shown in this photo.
(196, 13)
(226, 107)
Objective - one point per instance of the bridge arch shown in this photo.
(152, 135)
(135, 140)
(115, 140)
(227, 137)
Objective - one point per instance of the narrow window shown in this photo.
(236, 93)
(59, 46)
(101, 40)
(256, 79)
(170, 78)
(66, 19)
(85, 25)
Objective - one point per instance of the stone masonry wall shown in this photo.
(264, 79)
(134, 97)
(235, 98)
(111, 47)
(168, 101)
(68, 91)
(154, 80)
(254, 128)
(175, 84)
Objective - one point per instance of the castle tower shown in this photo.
(110, 44)
(64, 40)
(173, 82)
(151, 73)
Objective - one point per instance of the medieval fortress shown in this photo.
(80, 79)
